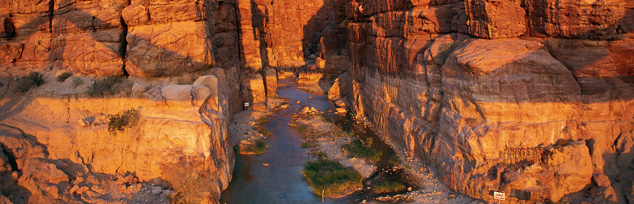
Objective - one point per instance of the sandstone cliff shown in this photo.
(493, 91)
(181, 129)
(117, 37)
(532, 98)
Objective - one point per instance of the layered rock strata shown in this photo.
(526, 98)
(181, 129)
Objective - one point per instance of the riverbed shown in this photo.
(275, 176)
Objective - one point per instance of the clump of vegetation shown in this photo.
(306, 145)
(394, 160)
(330, 178)
(320, 155)
(362, 149)
(121, 121)
(382, 186)
(62, 77)
(338, 131)
(262, 130)
(104, 86)
(259, 127)
(300, 127)
(25, 83)
(325, 118)
(256, 148)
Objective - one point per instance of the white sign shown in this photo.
(498, 195)
(246, 104)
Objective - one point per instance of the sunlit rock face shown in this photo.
(167, 38)
(26, 35)
(501, 94)
(181, 129)
(286, 33)
(117, 37)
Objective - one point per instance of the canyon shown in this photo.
(532, 98)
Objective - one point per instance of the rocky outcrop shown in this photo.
(480, 109)
(118, 37)
(182, 126)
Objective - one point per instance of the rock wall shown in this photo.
(117, 37)
(500, 93)
(285, 33)
(182, 129)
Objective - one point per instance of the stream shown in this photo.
(282, 180)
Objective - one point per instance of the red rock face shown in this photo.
(427, 81)
(285, 33)
(87, 37)
(29, 45)
(104, 38)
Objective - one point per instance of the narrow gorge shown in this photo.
(139, 101)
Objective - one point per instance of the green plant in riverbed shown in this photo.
(328, 178)
(363, 149)
(382, 186)
(260, 126)
(256, 148)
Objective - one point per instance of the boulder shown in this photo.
(200, 94)
(177, 93)
(138, 88)
(601, 180)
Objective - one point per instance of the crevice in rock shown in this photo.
(11, 156)
(51, 9)
(124, 45)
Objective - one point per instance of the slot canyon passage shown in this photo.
(335, 101)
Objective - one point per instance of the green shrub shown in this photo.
(302, 128)
(104, 86)
(25, 83)
(362, 149)
(306, 145)
(325, 118)
(328, 178)
(394, 160)
(259, 127)
(62, 77)
(256, 148)
(121, 121)
(382, 186)
(262, 130)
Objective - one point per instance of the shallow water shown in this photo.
(282, 181)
